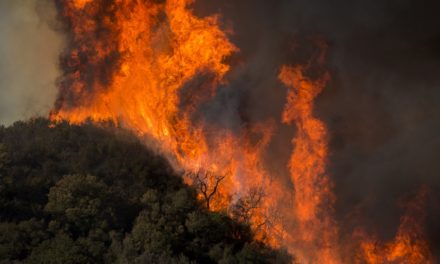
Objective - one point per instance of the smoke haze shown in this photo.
(29, 51)
(381, 106)
(382, 103)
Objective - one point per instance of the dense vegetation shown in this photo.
(83, 194)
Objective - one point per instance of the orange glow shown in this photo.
(163, 46)
(316, 233)
(80, 3)
(149, 65)
(409, 245)
(157, 59)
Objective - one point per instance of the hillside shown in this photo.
(83, 194)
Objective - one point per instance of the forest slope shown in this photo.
(84, 194)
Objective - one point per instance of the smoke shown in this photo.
(382, 103)
(29, 49)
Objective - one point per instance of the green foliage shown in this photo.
(83, 194)
(18, 239)
(59, 250)
(4, 159)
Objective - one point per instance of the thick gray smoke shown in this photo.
(382, 105)
(29, 51)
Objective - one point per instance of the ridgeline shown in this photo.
(83, 194)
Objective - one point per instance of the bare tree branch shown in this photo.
(207, 184)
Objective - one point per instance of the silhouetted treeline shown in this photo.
(83, 194)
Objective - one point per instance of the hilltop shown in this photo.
(85, 194)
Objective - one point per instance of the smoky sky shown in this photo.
(382, 106)
(29, 51)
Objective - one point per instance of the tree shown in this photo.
(85, 194)
(246, 206)
(59, 250)
(17, 240)
(207, 184)
(4, 159)
(84, 203)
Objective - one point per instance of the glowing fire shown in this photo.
(313, 198)
(148, 65)
(409, 245)
(162, 46)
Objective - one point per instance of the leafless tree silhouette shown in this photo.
(245, 208)
(207, 184)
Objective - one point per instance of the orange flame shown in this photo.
(157, 59)
(313, 199)
(162, 46)
(135, 63)
(409, 245)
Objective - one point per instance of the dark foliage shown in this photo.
(83, 194)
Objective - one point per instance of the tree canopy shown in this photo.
(84, 194)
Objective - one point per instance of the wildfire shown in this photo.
(313, 198)
(409, 245)
(148, 66)
(159, 48)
